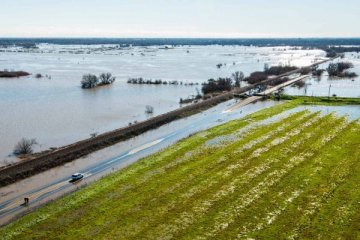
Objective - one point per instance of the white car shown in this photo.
(76, 177)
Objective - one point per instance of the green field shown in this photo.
(295, 176)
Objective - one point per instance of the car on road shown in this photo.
(76, 177)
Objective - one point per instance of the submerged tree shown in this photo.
(238, 76)
(149, 109)
(24, 146)
(219, 85)
(106, 78)
(337, 69)
(89, 81)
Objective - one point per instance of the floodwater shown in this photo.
(53, 183)
(57, 111)
(341, 87)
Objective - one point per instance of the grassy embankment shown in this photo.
(296, 176)
(307, 100)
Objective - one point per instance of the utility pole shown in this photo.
(329, 91)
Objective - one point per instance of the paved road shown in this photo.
(45, 187)
(266, 92)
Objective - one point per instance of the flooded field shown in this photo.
(57, 111)
(341, 87)
(281, 172)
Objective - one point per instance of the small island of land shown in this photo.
(13, 74)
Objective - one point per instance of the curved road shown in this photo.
(52, 184)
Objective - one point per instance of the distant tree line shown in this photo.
(256, 77)
(332, 51)
(259, 76)
(158, 82)
(91, 81)
(265, 42)
(226, 84)
(278, 70)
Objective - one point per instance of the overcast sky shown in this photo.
(180, 18)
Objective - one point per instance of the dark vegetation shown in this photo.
(322, 43)
(149, 109)
(24, 146)
(193, 98)
(219, 85)
(315, 71)
(238, 78)
(332, 51)
(226, 84)
(158, 82)
(13, 74)
(91, 81)
(257, 77)
(299, 84)
(305, 71)
(106, 78)
(278, 70)
(38, 75)
(338, 70)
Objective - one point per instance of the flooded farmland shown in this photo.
(56, 111)
(341, 87)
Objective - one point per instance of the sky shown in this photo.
(180, 18)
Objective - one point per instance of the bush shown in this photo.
(149, 109)
(38, 75)
(348, 75)
(305, 71)
(12, 74)
(24, 146)
(278, 70)
(89, 81)
(238, 77)
(219, 85)
(330, 53)
(256, 77)
(337, 69)
(317, 72)
(106, 78)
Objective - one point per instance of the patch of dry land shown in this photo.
(275, 174)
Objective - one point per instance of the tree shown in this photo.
(149, 109)
(38, 75)
(256, 77)
(24, 146)
(337, 69)
(221, 84)
(106, 78)
(89, 81)
(266, 67)
(332, 69)
(238, 77)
